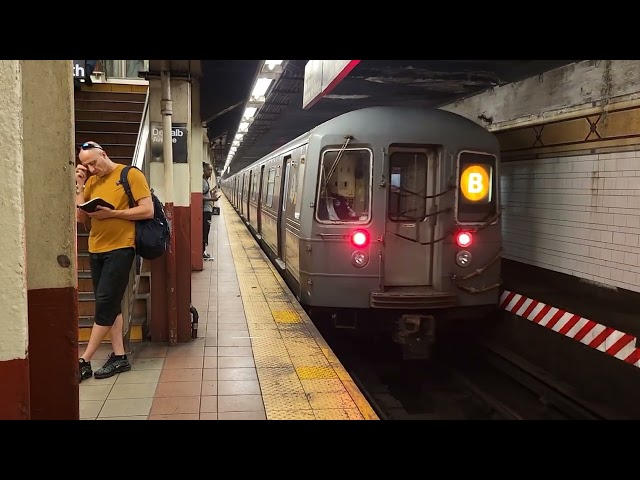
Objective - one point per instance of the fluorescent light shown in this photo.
(249, 112)
(261, 87)
(271, 64)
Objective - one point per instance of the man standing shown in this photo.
(111, 248)
(207, 208)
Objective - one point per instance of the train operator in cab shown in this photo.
(336, 206)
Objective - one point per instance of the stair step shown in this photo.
(86, 321)
(83, 262)
(111, 97)
(116, 126)
(83, 241)
(114, 150)
(136, 334)
(116, 88)
(87, 305)
(87, 104)
(117, 138)
(107, 115)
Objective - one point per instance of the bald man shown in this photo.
(111, 248)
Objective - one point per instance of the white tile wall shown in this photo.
(578, 215)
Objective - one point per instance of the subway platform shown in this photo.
(257, 356)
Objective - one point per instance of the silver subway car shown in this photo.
(385, 217)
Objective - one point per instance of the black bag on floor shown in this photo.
(216, 210)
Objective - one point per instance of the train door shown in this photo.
(410, 230)
(259, 218)
(282, 216)
(249, 196)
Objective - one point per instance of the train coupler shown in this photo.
(416, 335)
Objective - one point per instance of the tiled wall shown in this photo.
(578, 215)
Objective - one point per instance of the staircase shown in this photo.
(109, 114)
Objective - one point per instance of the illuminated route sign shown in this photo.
(475, 183)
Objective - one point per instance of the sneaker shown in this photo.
(114, 364)
(206, 256)
(85, 370)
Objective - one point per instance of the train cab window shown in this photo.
(408, 189)
(344, 186)
(477, 187)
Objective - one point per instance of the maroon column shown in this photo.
(53, 353)
(14, 385)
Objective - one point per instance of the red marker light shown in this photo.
(463, 239)
(360, 238)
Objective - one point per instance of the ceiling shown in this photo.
(226, 84)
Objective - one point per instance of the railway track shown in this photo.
(534, 393)
(486, 383)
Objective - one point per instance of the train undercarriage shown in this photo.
(415, 332)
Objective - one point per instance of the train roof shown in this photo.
(411, 120)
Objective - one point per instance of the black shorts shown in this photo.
(110, 276)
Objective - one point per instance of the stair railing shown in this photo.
(129, 299)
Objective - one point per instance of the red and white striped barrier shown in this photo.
(605, 339)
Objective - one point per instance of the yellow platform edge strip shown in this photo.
(243, 248)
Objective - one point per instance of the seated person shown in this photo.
(335, 207)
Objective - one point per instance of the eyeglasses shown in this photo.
(89, 146)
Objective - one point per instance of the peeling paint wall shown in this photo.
(558, 92)
(13, 275)
(49, 196)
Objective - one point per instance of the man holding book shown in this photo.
(111, 247)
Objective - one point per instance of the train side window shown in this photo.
(293, 184)
(271, 182)
(256, 179)
(344, 186)
(299, 187)
(477, 187)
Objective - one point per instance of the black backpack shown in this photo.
(152, 235)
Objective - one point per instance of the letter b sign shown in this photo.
(475, 183)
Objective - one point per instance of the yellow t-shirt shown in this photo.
(113, 233)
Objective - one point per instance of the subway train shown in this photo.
(383, 219)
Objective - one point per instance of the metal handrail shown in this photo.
(143, 135)
(136, 269)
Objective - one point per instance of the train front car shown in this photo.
(406, 228)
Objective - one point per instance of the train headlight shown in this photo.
(360, 239)
(359, 259)
(464, 239)
(463, 258)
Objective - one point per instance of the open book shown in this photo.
(91, 205)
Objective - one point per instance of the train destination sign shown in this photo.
(475, 183)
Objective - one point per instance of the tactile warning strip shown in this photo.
(300, 377)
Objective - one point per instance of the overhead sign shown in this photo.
(79, 67)
(475, 183)
(322, 76)
(179, 135)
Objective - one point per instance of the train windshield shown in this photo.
(344, 186)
